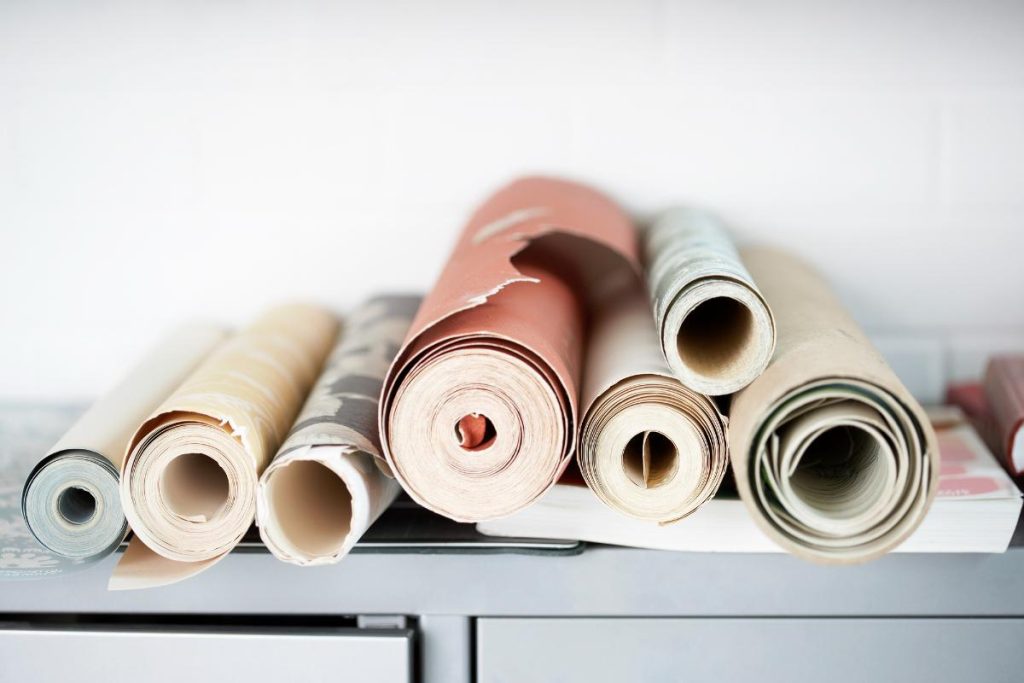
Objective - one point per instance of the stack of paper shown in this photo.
(975, 511)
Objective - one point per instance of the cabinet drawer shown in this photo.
(763, 649)
(129, 655)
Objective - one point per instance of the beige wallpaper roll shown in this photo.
(189, 480)
(834, 458)
(649, 447)
(71, 500)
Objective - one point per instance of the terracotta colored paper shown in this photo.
(833, 457)
(71, 500)
(189, 481)
(1004, 391)
(324, 488)
(649, 447)
(970, 398)
(479, 411)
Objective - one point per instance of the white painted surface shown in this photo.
(161, 160)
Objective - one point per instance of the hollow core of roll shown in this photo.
(475, 432)
(837, 469)
(312, 506)
(194, 485)
(76, 505)
(650, 459)
(717, 336)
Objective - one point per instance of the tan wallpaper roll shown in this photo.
(189, 480)
(834, 458)
(480, 409)
(649, 447)
(71, 500)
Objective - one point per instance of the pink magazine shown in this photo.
(968, 469)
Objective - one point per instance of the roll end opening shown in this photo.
(650, 459)
(837, 468)
(312, 507)
(475, 432)
(716, 337)
(195, 486)
(76, 505)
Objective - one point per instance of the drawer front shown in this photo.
(196, 656)
(823, 649)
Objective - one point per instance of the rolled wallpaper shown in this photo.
(833, 457)
(716, 330)
(324, 487)
(71, 501)
(480, 410)
(649, 447)
(26, 430)
(188, 484)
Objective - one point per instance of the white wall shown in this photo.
(161, 160)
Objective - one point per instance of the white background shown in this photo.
(160, 161)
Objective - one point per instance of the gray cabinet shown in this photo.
(199, 655)
(734, 649)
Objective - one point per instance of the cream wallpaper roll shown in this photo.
(189, 481)
(649, 447)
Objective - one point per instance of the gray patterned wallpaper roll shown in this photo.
(327, 484)
(717, 332)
